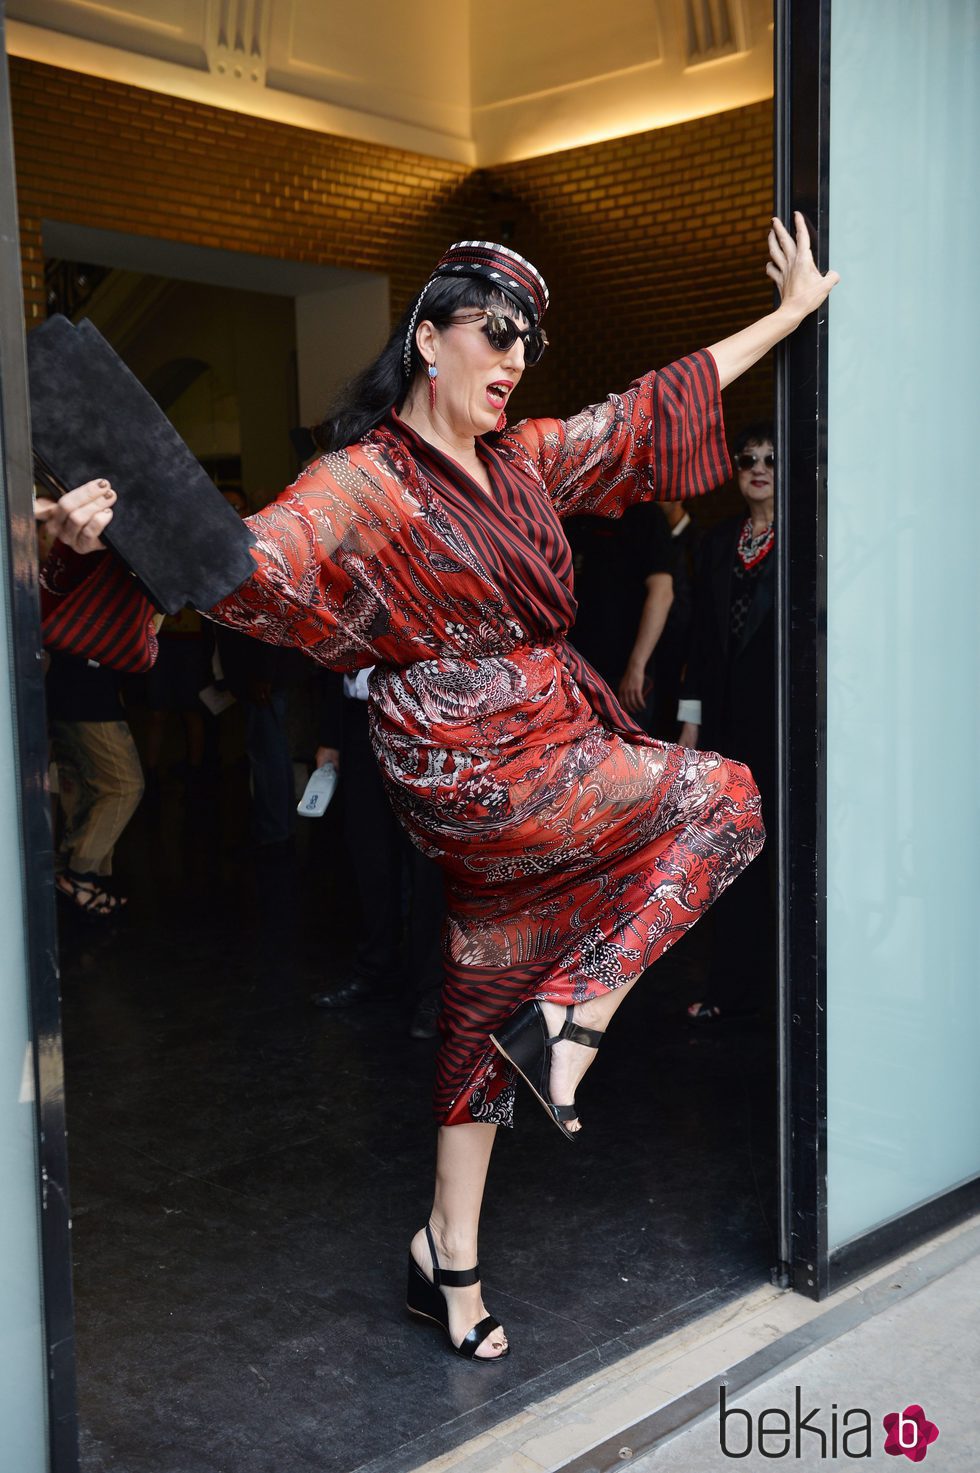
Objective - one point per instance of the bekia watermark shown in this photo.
(775, 1432)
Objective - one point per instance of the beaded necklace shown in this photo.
(753, 546)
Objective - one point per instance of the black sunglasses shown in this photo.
(747, 460)
(503, 332)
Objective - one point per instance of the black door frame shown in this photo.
(18, 546)
(801, 148)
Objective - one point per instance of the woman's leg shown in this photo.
(569, 1060)
(462, 1160)
(726, 833)
(102, 787)
(696, 826)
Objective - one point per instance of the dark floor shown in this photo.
(246, 1173)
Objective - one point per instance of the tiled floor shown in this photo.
(246, 1173)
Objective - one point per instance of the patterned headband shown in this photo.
(504, 268)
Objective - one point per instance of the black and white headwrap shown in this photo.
(504, 268)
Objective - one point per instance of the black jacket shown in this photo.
(735, 685)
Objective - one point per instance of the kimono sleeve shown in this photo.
(663, 440)
(318, 583)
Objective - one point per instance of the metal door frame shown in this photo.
(801, 149)
(18, 546)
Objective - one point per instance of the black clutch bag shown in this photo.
(90, 417)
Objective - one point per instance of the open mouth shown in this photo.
(497, 393)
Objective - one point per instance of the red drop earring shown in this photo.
(433, 375)
(501, 422)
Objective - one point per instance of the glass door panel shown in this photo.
(903, 599)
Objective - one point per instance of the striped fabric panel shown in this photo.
(662, 440)
(101, 616)
(522, 544)
(693, 394)
(515, 532)
(475, 1001)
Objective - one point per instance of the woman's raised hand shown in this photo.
(801, 289)
(80, 516)
(791, 266)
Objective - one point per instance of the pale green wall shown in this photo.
(903, 1005)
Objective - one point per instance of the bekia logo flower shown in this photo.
(909, 1432)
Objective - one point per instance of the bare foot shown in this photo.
(569, 1061)
(466, 1307)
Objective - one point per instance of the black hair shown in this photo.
(754, 434)
(363, 403)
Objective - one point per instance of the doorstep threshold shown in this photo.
(624, 1409)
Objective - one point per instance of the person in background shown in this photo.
(624, 588)
(384, 864)
(257, 676)
(729, 705)
(670, 655)
(172, 688)
(100, 781)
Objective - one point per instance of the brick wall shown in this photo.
(652, 245)
(113, 157)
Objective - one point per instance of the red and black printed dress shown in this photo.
(576, 849)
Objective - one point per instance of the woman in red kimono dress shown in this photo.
(428, 543)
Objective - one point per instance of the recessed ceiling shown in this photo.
(465, 81)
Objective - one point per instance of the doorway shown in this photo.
(236, 1154)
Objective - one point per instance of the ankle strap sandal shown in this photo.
(523, 1041)
(425, 1299)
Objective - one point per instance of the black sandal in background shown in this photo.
(426, 1300)
(523, 1041)
(707, 1013)
(710, 1013)
(86, 894)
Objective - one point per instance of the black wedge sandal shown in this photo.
(426, 1300)
(523, 1041)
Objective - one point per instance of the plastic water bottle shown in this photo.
(318, 792)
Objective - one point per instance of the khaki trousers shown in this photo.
(101, 783)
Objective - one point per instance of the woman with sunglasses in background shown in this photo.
(729, 705)
(428, 543)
